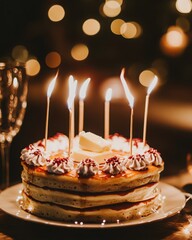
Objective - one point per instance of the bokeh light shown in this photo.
(111, 8)
(80, 52)
(130, 30)
(56, 13)
(53, 59)
(116, 26)
(146, 77)
(32, 67)
(91, 27)
(20, 53)
(174, 41)
(183, 6)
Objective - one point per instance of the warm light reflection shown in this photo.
(15, 83)
(146, 77)
(116, 26)
(111, 8)
(174, 41)
(20, 53)
(32, 67)
(56, 13)
(152, 85)
(53, 59)
(51, 86)
(91, 27)
(183, 6)
(130, 30)
(80, 52)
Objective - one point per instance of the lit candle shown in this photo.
(108, 96)
(150, 89)
(70, 102)
(130, 99)
(82, 95)
(49, 92)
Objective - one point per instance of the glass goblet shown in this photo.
(13, 102)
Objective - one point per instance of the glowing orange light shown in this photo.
(56, 13)
(80, 52)
(183, 6)
(116, 26)
(111, 8)
(53, 59)
(32, 67)
(91, 27)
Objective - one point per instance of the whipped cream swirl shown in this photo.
(153, 157)
(137, 162)
(87, 168)
(114, 166)
(59, 165)
(33, 155)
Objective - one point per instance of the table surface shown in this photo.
(175, 227)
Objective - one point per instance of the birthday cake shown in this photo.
(99, 182)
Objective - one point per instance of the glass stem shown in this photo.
(5, 148)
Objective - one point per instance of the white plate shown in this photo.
(174, 202)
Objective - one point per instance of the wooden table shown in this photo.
(175, 227)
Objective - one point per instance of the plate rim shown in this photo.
(11, 200)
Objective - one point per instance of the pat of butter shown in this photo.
(91, 142)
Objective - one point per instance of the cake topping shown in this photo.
(153, 157)
(33, 155)
(114, 166)
(92, 142)
(87, 168)
(137, 162)
(59, 165)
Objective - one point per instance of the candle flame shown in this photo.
(83, 90)
(15, 83)
(72, 92)
(51, 86)
(152, 85)
(108, 94)
(128, 94)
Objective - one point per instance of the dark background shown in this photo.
(170, 113)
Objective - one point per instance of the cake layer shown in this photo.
(100, 182)
(81, 200)
(110, 213)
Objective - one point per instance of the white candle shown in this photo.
(70, 102)
(130, 99)
(82, 95)
(49, 92)
(108, 96)
(150, 89)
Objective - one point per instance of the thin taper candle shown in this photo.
(131, 131)
(82, 95)
(145, 119)
(47, 122)
(49, 92)
(70, 132)
(81, 115)
(107, 112)
(151, 87)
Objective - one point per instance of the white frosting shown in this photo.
(137, 162)
(60, 165)
(152, 156)
(34, 156)
(114, 166)
(87, 168)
